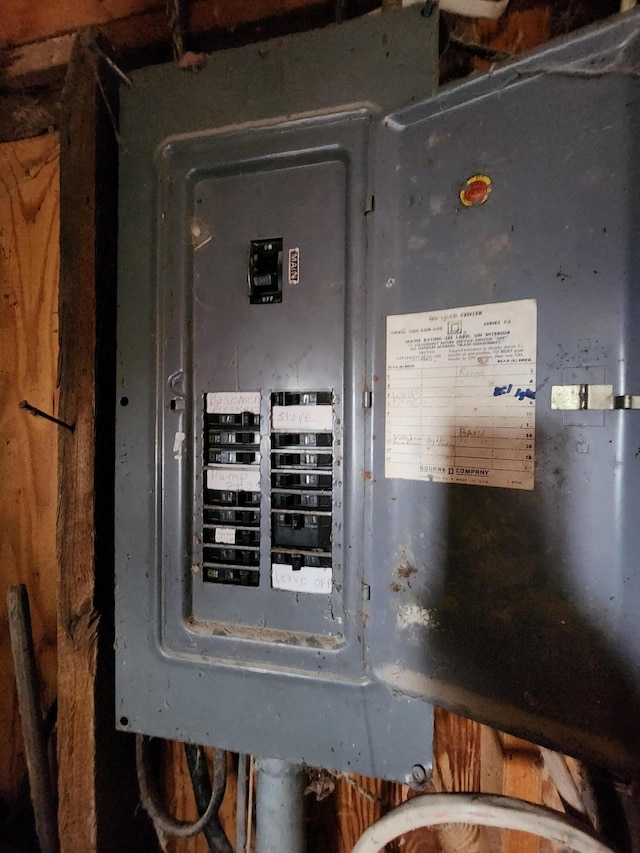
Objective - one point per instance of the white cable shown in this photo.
(561, 777)
(482, 810)
(470, 8)
(475, 8)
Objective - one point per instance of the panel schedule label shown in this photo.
(460, 395)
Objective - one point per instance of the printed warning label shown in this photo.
(460, 395)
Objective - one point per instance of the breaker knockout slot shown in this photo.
(301, 491)
(231, 514)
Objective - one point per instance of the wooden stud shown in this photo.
(98, 799)
(77, 617)
(457, 746)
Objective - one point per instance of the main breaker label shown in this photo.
(461, 390)
(294, 266)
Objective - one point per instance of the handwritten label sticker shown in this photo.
(519, 394)
(225, 536)
(312, 579)
(233, 402)
(236, 478)
(302, 418)
(460, 395)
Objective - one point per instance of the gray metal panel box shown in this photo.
(241, 466)
(349, 339)
(519, 606)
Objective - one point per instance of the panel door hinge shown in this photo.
(369, 204)
(367, 399)
(586, 397)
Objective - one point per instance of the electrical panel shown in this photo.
(379, 444)
(242, 475)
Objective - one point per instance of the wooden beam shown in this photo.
(24, 22)
(77, 618)
(98, 804)
(457, 749)
(26, 114)
(32, 74)
(31, 81)
(32, 60)
(522, 779)
(32, 50)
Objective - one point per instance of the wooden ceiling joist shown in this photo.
(35, 48)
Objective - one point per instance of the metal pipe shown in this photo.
(279, 807)
(242, 788)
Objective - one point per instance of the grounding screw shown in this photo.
(419, 774)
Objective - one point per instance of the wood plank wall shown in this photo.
(29, 255)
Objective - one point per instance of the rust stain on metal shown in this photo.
(366, 474)
(395, 587)
(406, 570)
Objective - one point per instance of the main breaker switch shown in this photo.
(265, 271)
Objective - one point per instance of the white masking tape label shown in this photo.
(225, 536)
(233, 402)
(314, 579)
(234, 478)
(302, 418)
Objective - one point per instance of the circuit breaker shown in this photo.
(376, 427)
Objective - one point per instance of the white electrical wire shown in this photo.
(470, 8)
(482, 810)
(561, 777)
(475, 8)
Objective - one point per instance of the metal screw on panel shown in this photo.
(419, 774)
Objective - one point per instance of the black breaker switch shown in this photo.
(265, 271)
